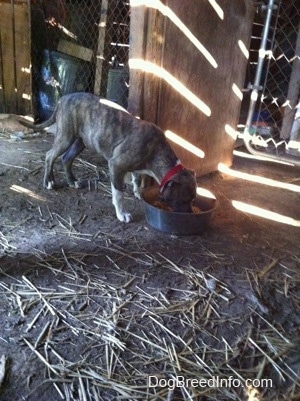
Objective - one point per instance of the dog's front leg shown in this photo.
(117, 200)
(117, 183)
(136, 180)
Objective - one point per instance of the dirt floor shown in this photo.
(93, 309)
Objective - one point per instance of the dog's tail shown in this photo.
(38, 127)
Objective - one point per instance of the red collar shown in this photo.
(174, 170)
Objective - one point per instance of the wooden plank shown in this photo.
(15, 61)
(137, 51)
(74, 50)
(154, 54)
(100, 60)
(210, 80)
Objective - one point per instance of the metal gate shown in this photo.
(273, 122)
(79, 45)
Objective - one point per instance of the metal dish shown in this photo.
(179, 223)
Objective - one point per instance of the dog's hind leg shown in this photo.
(67, 161)
(58, 148)
(51, 156)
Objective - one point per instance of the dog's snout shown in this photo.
(182, 207)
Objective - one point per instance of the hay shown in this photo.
(101, 331)
(3, 360)
(5, 245)
(139, 332)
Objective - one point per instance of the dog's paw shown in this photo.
(74, 183)
(137, 193)
(49, 184)
(124, 217)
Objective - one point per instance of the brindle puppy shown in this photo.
(127, 143)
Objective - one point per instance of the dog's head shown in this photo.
(180, 191)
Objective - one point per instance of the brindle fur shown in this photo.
(127, 143)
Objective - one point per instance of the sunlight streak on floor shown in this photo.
(205, 193)
(25, 191)
(147, 66)
(266, 214)
(256, 157)
(256, 178)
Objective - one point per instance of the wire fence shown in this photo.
(275, 125)
(79, 45)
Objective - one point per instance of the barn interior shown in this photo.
(94, 309)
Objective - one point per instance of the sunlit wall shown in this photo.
(187, 67)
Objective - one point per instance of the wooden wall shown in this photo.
(187, 70)
(15, 78)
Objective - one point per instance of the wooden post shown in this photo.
(146, 44)
(137, 51)
(154, 54)
(100, 56)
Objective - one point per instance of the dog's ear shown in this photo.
(170, 184)
(193, 172)
(168, 189)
